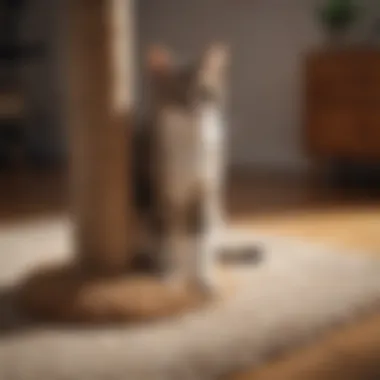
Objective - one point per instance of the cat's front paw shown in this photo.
(174, 281)
(208, 284)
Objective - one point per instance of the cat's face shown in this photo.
(188, 89)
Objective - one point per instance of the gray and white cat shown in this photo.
(180, 162)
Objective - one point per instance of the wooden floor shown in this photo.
(288, 205)
(314, 211)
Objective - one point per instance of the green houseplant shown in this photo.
(337, 16)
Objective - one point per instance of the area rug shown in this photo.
(296, 293)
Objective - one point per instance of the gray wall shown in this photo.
(268, 39)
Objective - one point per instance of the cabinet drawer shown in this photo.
(370, 129)
(329, 67)
(336, 132)
(343, 103)
(346, 75)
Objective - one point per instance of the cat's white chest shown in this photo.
(192, 150)
(211, 155)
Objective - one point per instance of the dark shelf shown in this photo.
(20, 53)
(14, 4)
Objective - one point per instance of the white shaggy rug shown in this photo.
(296, 293)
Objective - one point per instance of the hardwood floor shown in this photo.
(25, 195)
(308, 208)
(286, 205)
(314, 211)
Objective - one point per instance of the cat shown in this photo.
(178, 177)
(180, 159)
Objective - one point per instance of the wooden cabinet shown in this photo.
(342, 110)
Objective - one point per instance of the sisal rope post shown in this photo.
(100, 91)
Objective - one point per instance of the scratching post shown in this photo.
(100, 72)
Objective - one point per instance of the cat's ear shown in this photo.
(159, 60)
(212, 73)
(215, 60)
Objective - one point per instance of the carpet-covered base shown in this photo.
(298, 292)
(62, 294)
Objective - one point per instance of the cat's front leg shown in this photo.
(189, 248)
(213, 232)
(174, 246)
(204, 268)
(205, 242)
(214, 213)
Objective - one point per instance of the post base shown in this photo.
(63, 294)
